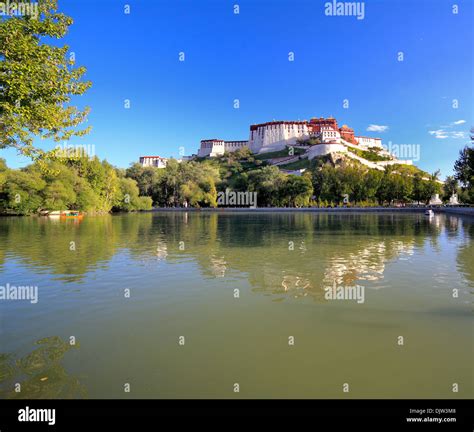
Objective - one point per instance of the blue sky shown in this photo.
(245, 56)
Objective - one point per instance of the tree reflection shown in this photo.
(465, 258)
(40, 373)
(297, 253)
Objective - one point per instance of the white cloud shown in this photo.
(439, 134)
(443, 134)
(377, 128)
(446, 131)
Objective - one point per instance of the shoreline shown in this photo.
(466, 211)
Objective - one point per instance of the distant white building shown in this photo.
(216, 147)
(274, 136)
(368, 141)
(153, 161)
(435, 200)
(453, 199)
(327, 148)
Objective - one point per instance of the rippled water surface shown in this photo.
(116, 294)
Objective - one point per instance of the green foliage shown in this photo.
(421, 192)
(267, 182)
(450, 187)
(92, 185)
(464, 173)
(299, 164)
(296, 191)
(145, 177)
(409, 170)
(287, 151)
(186, 183)
(86, 198)
(199, 187)
(128, 198)
(241, 154)
(369, 155)
(58, 195)
(37, 81)
(77, 184)
(363, 185)
(21, 193)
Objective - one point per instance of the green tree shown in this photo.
(146, 177)
(266, 182)
(87, 199)
(296, 191)
(402, 187)
(385, 192)
(21, 193)
(329, 184)
(372, 180)
(57, 184)
(450, 187)
(198, 186)
(37, 81)
(464, 172)
(420, 194)
(432, 185)
(58, 196)
(3, 173)
(128, 198)
(202, 194)
(464, 167)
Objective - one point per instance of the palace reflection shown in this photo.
(183, 269)
(295, 254)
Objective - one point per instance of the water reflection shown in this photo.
(258, 245)
(465, 256)
(40, 374)
(182, 269)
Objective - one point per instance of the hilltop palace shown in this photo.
(276, 135)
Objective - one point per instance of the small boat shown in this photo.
(429, 213)
(71, 214)
(65, 214)
(52, 214)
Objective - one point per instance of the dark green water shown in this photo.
(238, 287)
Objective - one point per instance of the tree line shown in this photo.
(84, 184)
(324, 183)
(94, 186)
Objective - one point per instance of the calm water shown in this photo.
(238, 287)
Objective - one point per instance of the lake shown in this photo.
(235, 305)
